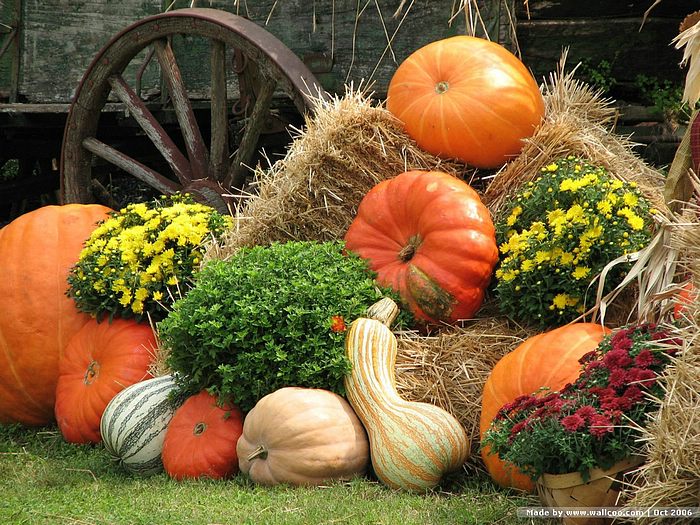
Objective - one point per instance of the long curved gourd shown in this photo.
(412, 444)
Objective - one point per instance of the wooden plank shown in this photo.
(152, 128)
(341, 42)
(354, 41)
(9, 48)
(219, 112)
(567, 10)
(249, 141)
(56, 54)
(131, 166)
(630, 52)
(196, 150)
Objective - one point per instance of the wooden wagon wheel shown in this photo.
(264, 67)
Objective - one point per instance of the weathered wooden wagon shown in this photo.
(180, 97)
(94, 93)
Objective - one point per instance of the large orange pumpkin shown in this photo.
(100, 360)
(430, 238)
(549, 359)
(466, 98)
(37, 319)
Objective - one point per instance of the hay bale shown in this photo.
(449, 369)
(578, 121)
(671, 475)
(347, 147)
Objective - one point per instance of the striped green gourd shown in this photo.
(412, 444)
(134, 423)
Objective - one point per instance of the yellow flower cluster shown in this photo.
(136, 261)
(559, 233)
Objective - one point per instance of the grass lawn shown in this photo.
(44, 480)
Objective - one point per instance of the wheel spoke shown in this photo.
(218, 159)
(253, 126)
(131, 166)
(196, 150)
(152, 128)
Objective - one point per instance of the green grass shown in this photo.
(44, 480)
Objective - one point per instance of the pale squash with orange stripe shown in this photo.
(412, 444)
(550, 360)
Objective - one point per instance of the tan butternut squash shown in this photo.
(412, 444)
(302, 436)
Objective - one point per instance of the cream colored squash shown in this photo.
(302, 436)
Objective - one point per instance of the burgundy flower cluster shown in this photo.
(586, 424)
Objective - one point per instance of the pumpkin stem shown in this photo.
(408, 251)
(385, 311)
(199, 429)
(259, 452)
(93, 370)
(441, 87)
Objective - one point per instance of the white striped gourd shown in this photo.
(133, 424)
(412, 444)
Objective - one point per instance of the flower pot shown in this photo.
(569, 490)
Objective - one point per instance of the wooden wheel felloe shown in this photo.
(264, 68)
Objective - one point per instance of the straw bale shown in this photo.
(449, 369)
(671, 475)
(578, 121)
(347, 147)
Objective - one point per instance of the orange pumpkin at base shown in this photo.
(547, 360)
(466, 98)
(431, 239)
(101, 360)
(201, 438)
(37, 251)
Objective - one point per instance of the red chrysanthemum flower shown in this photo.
(643, 376)
(600, 425)
(603, 392)
(618, 377)
(586, 412)
(617, 358)
(518, 427)
(659, 336)
(633, 393)
(645, 359)
(621, 335)
(572, 423)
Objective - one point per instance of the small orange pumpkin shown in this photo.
(101, 360)
(430, 238)
(549, 360)
(37, 319)
(684, 299)
(201, 438)
(467, 98)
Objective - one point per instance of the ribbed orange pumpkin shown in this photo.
(549, 359)
(100, 360)
(430, 238)
(37, 319)
(466, 98)
(201, 439)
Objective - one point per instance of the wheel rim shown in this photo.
(211, 172)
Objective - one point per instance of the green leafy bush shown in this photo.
(142, 258)
(558, 233)
(266, 318)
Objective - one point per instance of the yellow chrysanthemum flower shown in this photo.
(581, 272)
